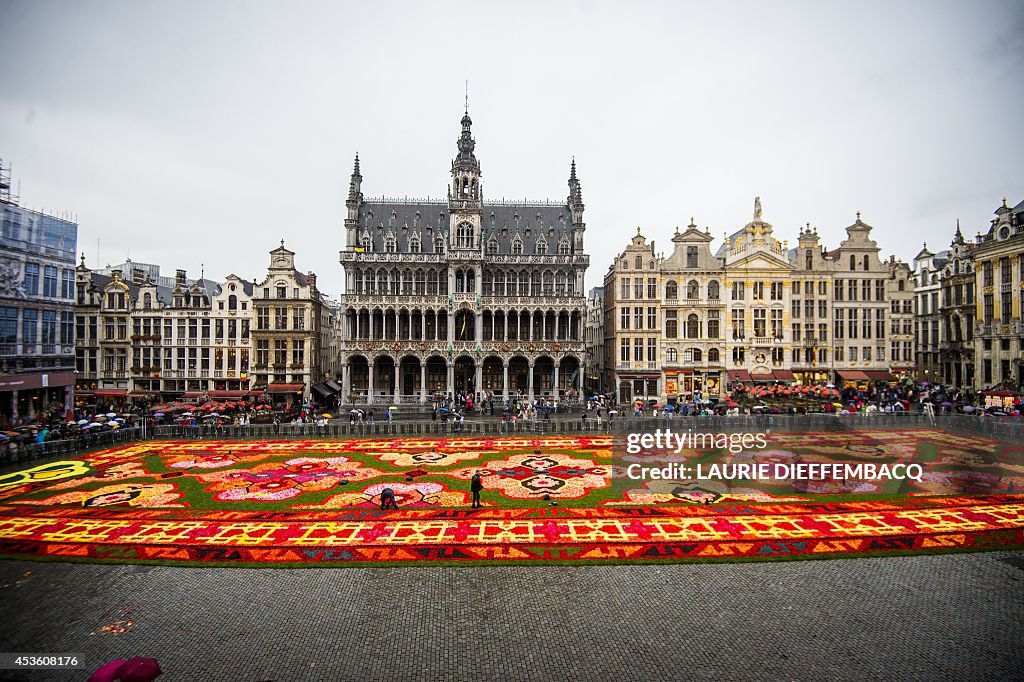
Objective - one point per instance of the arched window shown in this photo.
(464, 235)
(367, 243)
(853, 262)
(698, 355)
(650, 266)
(638, 263)
(389, 245)
(517, 246)
(549, 283)
(470, 281)
(713, 355)
(713, 290)
(147, 301)
(492, 246)
(692, 326)
(865, 261)
(438, 244)
(671, 290)
(563, 247)
(541, 246)
(414, 245)
(232, 302)
(809, 260)
(692, 289)
(671, 355)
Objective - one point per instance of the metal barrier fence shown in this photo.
(27, 452)
(1010, 430)
(1007, 430)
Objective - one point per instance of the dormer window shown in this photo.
(389, 245)
(563, 248)
(517, 246)
(367, 243)
(541, 247)
(414, 245)
(439, 245)
(492, 246)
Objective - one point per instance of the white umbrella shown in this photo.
(111, 414)
(186, 414)
(94, 424)
(83, 422)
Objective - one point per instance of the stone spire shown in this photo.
(575, 199)
(352, 204)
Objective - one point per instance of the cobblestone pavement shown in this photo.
(909, 618)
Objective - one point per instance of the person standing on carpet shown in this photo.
(476, 485)
(387, 499)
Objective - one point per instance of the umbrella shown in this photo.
(82, 422)
(139, 669)
(326, 415)
(613, 411)
(392, 407)
(186, 414)
(947, 404)
(95, 424)
(111, 414)
(670, 408)
(968, 408)
(158, 414)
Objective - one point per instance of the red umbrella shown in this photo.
(139, 669)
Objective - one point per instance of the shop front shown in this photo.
(24, 396)
(638, 387)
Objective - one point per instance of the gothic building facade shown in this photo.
(462, 295)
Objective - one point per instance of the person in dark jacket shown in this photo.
(387, 499)
(476, 485)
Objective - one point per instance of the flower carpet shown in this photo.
(550, 498)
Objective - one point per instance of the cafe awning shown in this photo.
(333, 385)
(285, 388)
(852, 375)
(111, 392)
(227, 394)
(784, 375)
(323, 389)
(739, 375)
(879, 375)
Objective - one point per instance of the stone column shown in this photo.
(555, 381)
(423, 325)
(346, 382)
(14, 405)
(579, 380)
(504, 377)
(398, 387)
(369, 386)
(478, 382)
(618, 389)
(450, 386)
(423, 382)
(530, 379)
(504, 325)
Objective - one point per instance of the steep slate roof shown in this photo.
(552, 220)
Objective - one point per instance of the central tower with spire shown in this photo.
(464, 193)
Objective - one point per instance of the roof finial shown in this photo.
(757, 208)
(858, 216)
(282, 243)
(638, 229)
(467, 95)
(83, 259)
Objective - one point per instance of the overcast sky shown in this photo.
(184, 133)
